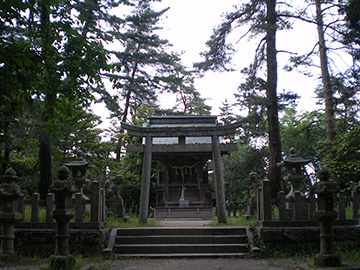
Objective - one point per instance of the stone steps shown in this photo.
(179, 242)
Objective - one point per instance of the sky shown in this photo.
(188, 25)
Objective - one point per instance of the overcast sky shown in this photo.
(188, 25)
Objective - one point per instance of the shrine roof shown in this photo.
(181, 131)
(171, 121)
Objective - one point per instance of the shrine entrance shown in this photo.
(183, 189)
(183, 145)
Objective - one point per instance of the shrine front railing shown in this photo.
(95, 205)
(301, 207)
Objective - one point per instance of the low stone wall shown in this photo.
(305, 235)
(38, 239)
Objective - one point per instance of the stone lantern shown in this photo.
(64, 211)
(9, 215)
(78, 169)
(325, 190)
(294, 167)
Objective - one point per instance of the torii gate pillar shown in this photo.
(219, 180)
(145, 182)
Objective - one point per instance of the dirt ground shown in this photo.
(179, 264)
(199, 264)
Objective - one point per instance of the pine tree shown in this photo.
(262, 19)
(143, 67)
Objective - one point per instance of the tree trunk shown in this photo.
(45, 163)
(7, 150)
(126, 111)
(328, 94)
(274, 173)
(121, 131)
(45, 174)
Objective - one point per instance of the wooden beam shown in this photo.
(186, 131)
(176, 148)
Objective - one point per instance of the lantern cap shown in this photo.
(63, 173)
(325, 186)
(293, 159)
(79, 161)
(10, 175)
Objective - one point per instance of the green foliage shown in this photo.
(237, 167)
(303, 132)
(345, 88)
(52, 55)
(340, 158)
(352, 18)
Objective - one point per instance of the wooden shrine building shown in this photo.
(183, 145)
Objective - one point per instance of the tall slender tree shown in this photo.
(328, 93)
(262, 18)
(143, 65)
(331, 29)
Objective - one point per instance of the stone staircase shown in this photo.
(180, 241)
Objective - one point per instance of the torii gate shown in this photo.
(182, 131)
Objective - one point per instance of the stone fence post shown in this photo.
(355, 202)
(95, 202)
(265, 200)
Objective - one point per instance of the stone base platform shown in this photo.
(205, 212)
(294, 236)
(38, 238)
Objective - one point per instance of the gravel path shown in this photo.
(201, 264)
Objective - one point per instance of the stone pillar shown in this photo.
(9, 215)
(265, 200)
(219, 180)
(145, 182)
(325, 190)
(63, 190)
(95, 202)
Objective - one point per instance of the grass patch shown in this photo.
(349, 256)
(235, 221)
(115, 222)
(25, 261)
(42, 214)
